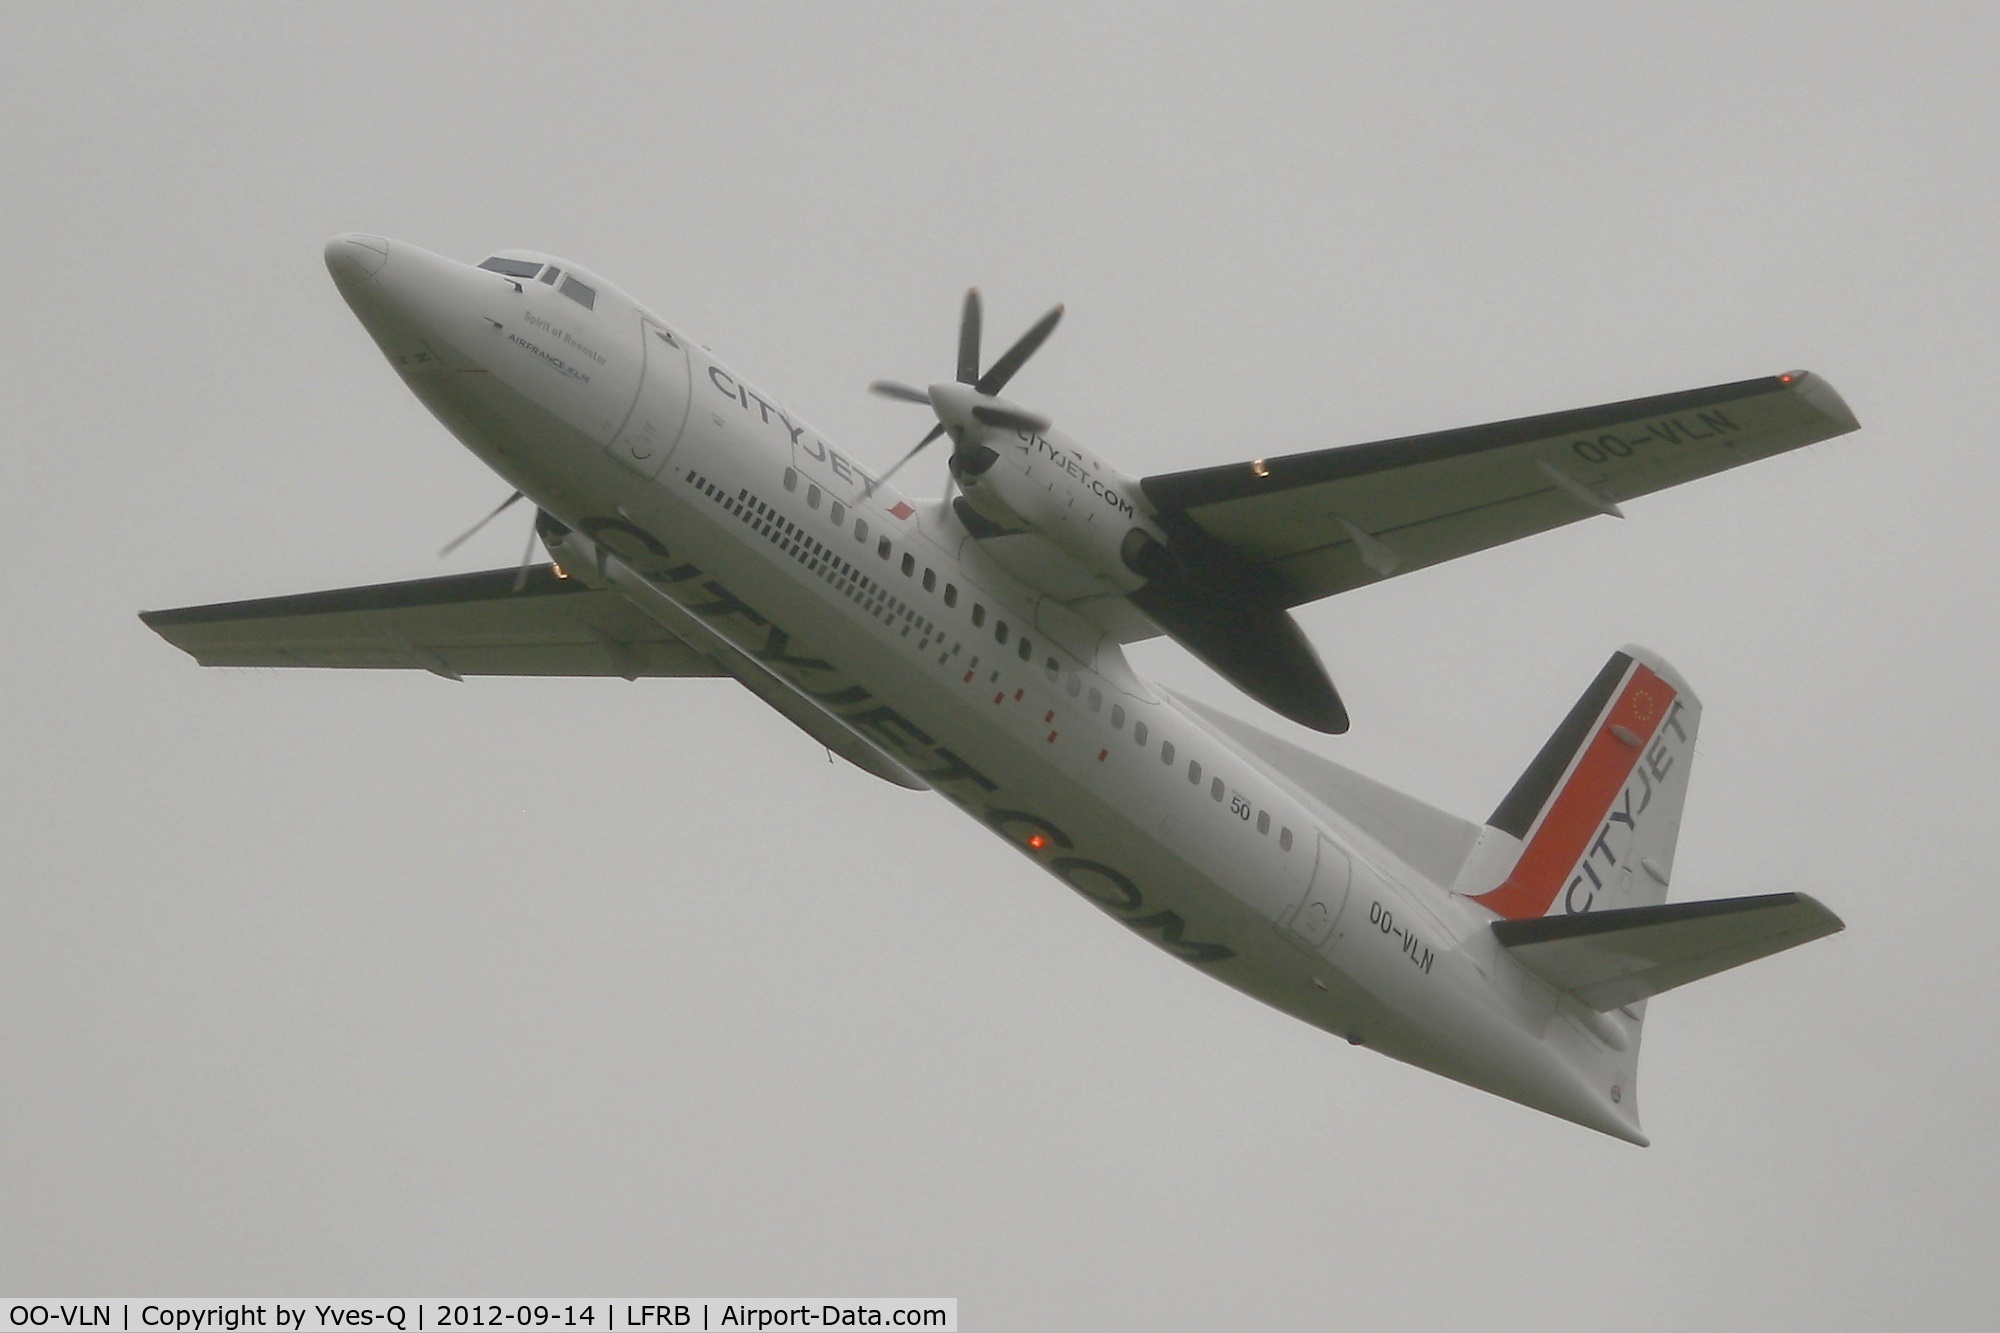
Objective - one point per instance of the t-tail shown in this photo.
(1576, 861)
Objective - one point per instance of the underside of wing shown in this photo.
(461, 625)
(1324, 522)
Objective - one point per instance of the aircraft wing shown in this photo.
(1335, 519)
(478, 625)
(461, 625)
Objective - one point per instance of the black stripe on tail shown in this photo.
(1517, 811)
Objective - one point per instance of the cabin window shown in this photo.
(909, 564)
(1000, 631)
(1096, 701)
(1138, 733)
(812, 497)
(1263, 821)
(882, 548)
(513, 268)
(1284, 840)
(791, 480)
(838, 514)
(1215, 789)
(1194, 772)
(930, 580)
(861, 529)
(1117, 712)
(1074, 685)
(978, 614)
(583, 295)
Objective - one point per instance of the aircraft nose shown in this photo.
(353, 258)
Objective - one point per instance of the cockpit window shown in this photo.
(577, 292)
(513, 268)
(550, 274)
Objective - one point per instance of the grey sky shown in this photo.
(371, 983)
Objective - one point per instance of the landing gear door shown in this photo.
(1312, 925)
(654, 428)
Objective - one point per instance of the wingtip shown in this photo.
(1829, 922)
(1823, 398)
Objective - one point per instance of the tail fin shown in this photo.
(1575, 862)
(1591, 825)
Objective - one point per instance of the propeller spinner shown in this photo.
(952, 403)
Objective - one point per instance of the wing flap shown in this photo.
(1336, 519)
(1619, 957)
(460, 625)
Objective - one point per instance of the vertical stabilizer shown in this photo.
(1596, 815)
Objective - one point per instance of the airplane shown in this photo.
(973, 646)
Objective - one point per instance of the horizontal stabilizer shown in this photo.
(1623, 955)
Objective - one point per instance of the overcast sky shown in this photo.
(371, 983)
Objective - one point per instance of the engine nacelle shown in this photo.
(1043, 482)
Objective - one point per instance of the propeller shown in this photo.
(985, 386)
(473, 531)
(527, 556)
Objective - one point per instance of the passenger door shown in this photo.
(1312, 925)
(659, 413)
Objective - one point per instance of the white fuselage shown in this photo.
(704, 502)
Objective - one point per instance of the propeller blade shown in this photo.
(1010, 418)
(995, 379)
(900, 392)
(968, 338)
(468, 534)
(528, 556)
(936, 431)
